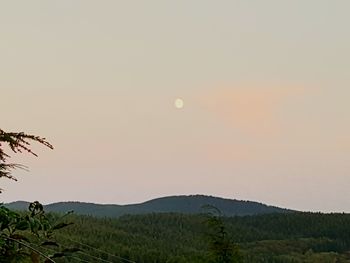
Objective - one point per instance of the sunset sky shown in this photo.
(265, 85)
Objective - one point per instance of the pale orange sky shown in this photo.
(265, 85)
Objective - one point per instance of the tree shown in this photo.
(221, 248)
(18, 142)
(24, 235)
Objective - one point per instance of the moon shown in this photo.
(179, 103)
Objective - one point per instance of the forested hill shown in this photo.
(192, 204)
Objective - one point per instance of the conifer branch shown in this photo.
(18, 142)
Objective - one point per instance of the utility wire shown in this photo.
(78, 259)
(101, 259)
(30, 247)
(99, 250)
(68, 256)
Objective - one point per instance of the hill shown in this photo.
(192, 204)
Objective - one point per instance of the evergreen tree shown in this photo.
(18, 142)
(222, 249)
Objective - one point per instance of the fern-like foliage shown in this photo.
(18, 142)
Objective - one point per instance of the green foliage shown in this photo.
(23, 236)
(275, 238)
(26, 235)
(222, 249)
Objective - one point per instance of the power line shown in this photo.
(69, 256)
(101, 259)
(31, 248)
(99, 250)
(79, 259)
(66, 256)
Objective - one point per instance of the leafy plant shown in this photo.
(28, 235)
(24, 236)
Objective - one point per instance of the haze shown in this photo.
(265, 86)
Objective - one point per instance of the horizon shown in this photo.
(162, 197)
(244, 100)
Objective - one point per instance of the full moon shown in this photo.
(179, 103)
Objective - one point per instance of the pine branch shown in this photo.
(18, 143)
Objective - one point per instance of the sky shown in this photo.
(265, 86)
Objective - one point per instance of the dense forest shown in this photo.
(172, 237)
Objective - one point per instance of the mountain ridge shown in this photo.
(187, 204)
